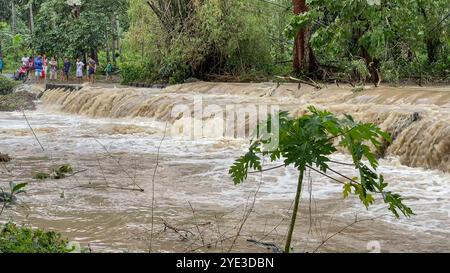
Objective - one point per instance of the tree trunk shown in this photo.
(13, 17)
(31, 18)
(287, 247)
(374, 67)
(432, 49)
(431, 41)
(115, 39)
(304, 59)
(94, 55)
(108, 51)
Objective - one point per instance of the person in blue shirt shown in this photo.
(38, 65)
(1, 65)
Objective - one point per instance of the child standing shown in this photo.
(91, 71)
(80, 66)
(30, 71)
(109, 70)
(53, 69)
(44, 66)
(67, 65)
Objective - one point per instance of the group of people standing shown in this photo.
(39, 66)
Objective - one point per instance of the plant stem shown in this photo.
(294, 213)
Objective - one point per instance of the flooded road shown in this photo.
(112, 138)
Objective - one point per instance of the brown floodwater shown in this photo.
(113, 136)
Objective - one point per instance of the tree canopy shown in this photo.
(348, 40)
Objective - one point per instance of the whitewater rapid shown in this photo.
(96, 128)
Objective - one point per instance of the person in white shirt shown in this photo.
(25, 60)
(80, 66)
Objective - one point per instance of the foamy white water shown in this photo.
(193, 171)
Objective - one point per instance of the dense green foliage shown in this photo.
(61, 32)
(308, 142)
(172, 40)
(14, 239)
(211, 37)
(401, 39)
(6, 85)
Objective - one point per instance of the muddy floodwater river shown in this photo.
(120, 140)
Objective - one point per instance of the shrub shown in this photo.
(7, 85)
(14, 239)
(145, 73)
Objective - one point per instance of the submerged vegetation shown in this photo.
(55, 173)
(15, 239)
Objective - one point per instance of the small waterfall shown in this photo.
(418, 119)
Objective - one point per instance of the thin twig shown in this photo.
(91, 186)
(31, 128)
(247, 214)
(153, 187)
(275, 248)
(119, 164)
(75, 173)
(177, 230)
(343, 229)
(313, 84)
(3, 208)
(269, 169)
(342, 163)
(200, 234)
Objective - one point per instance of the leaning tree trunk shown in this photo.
(304, 59)
(31, 18)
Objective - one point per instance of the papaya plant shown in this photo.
(307, 142)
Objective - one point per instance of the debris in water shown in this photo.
(4, 158)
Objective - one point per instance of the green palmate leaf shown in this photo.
(347, 190)
(395, 202)
(299, 22)
(309, 141)
(16, 189)
(239, 171)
